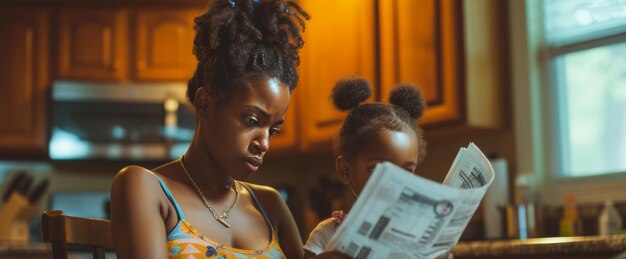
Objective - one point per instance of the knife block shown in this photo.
(15, 215)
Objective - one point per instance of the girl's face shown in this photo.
(398, 147)
(236, 133)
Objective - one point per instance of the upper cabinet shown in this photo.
(428, 43)
(387, 42)
(126, 44)
(93, 44)
(164, 44)
(403, 41)
(421, 43)
(25, 82)
(339, 42)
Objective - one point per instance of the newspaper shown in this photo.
(402, 215)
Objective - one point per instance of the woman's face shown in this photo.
(237, 132)
(398, 147)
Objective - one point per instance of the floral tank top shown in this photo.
(185, 242)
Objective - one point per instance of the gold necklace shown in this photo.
(225, 213)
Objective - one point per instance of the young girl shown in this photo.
(198, 206)
(372, 133)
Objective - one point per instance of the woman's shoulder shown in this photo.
(136, 181)
(134, 174)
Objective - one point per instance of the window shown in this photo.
(585, 46)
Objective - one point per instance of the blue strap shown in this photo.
(257, 204)
(167, 192)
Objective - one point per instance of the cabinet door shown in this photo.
(421, 43)
(93, 44)
(24, 77)
(164, 44)
(339, 42)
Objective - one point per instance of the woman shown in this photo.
(198, 205)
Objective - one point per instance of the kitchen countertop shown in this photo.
(551, 247)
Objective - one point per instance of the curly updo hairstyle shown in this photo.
(237, 40)
(365, 119)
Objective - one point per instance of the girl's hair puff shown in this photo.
(406, 104)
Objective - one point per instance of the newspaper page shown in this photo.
(402, 215)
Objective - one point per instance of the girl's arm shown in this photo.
(137, 216)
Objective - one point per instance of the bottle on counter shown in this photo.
(570, 224)
(610, 222)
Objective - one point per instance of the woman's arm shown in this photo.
(136, 215)
(286, 227)
(282, 220)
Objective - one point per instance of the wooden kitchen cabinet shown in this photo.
(421, 43)
(339, 42)
(461, 75)
(25, 82)
(164, 44)
(101, 44)
(93, 44)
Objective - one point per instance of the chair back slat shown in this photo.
(60, 230)
(88, 231)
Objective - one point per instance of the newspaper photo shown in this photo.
(402, 215)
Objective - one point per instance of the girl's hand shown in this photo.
(331, 255)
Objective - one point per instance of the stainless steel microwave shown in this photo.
(135, 122)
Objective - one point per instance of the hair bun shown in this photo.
(349, 92)
(410, 98)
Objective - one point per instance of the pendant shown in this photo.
(220, 220)
(225, 215)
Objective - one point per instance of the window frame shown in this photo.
(536, 118)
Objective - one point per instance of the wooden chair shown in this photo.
(60, 230)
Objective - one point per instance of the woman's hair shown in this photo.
(406, 104)
(237, 40)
